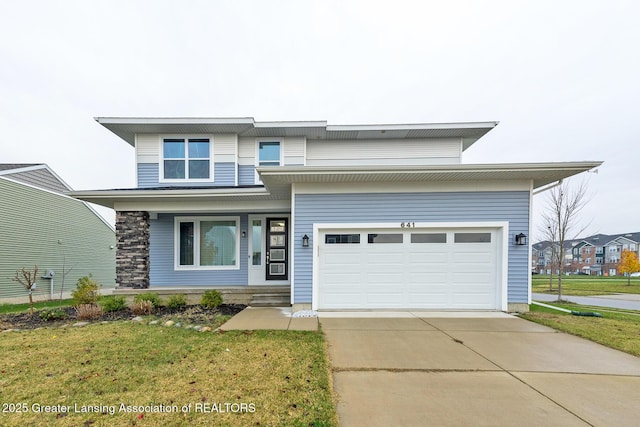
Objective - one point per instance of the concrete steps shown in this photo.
(280, 299)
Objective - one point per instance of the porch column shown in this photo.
(132, 249)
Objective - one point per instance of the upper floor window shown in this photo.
(186, 159)
(269, 153)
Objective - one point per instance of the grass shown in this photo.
(19, 308)
(237, 378)
(586, 285)
(619, 329)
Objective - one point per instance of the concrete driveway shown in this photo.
(411, 369)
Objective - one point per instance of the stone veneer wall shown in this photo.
(132, 249)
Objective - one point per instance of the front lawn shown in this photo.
(615, 329)
(586, 285)
(125, 373)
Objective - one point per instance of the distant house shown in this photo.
(597, 255)
(41, 225)
(382, 216)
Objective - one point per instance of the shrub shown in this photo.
(89, 311)
(211, 299)
(176, 302)
(113, 303)
(87, 291)
(153, 298)
(50, 314)
(141, 307)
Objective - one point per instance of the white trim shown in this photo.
(256, 157)
(186, 138)
(196, 243)
(237, 160)
(205, 206)
(137, 161)
(529, 248)
(412, 187)
(292, 244)
(502, 233)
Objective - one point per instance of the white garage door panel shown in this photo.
(408, 275)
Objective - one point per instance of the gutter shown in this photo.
(548, 187)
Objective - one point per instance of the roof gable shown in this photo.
(35, 174)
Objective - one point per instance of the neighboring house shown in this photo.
(346, 217)
(595, 255)
(41, 225)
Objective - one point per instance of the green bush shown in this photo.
(153, 298)
(87, 291)
(50, 314)
(211, 299)
(176, 302)
(113, 303)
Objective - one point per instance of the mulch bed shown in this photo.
(192, 314)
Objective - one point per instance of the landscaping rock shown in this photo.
(80, 324)
(178, 325)
(137, 319)
(154, 322)
(169, 323)
(305, 313)
(197, 327)
(205, 329)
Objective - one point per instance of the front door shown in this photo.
(277, 249)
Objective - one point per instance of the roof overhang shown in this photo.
(540, 174)
(127, 128)
(277, 181)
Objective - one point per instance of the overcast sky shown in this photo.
(562, 77)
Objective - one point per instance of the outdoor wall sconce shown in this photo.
(305, 241)
(244, 234)
(521, 239)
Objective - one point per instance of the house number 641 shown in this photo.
(408, 225)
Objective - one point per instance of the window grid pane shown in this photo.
(269, 153)
(173, 149)
(217, 243)
(198, 148)
(428, 237)
(174, 169)
(385, 238)
(198, 169)
(186, 243)
(472, 238)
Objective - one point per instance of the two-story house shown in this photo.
(345, 217)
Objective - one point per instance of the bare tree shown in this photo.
(28, 280)
(560, 217)
(548, 229)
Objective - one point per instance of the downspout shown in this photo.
(575, 313)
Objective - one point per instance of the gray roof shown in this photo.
(9, 166)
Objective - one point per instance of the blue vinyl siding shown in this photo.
(161, 254)
(246, 175)
(511, 206)
(149, 176)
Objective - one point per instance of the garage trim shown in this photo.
(502, 230)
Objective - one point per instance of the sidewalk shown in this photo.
(620, 301)
(280, 318)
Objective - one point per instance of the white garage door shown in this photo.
(408, 269)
